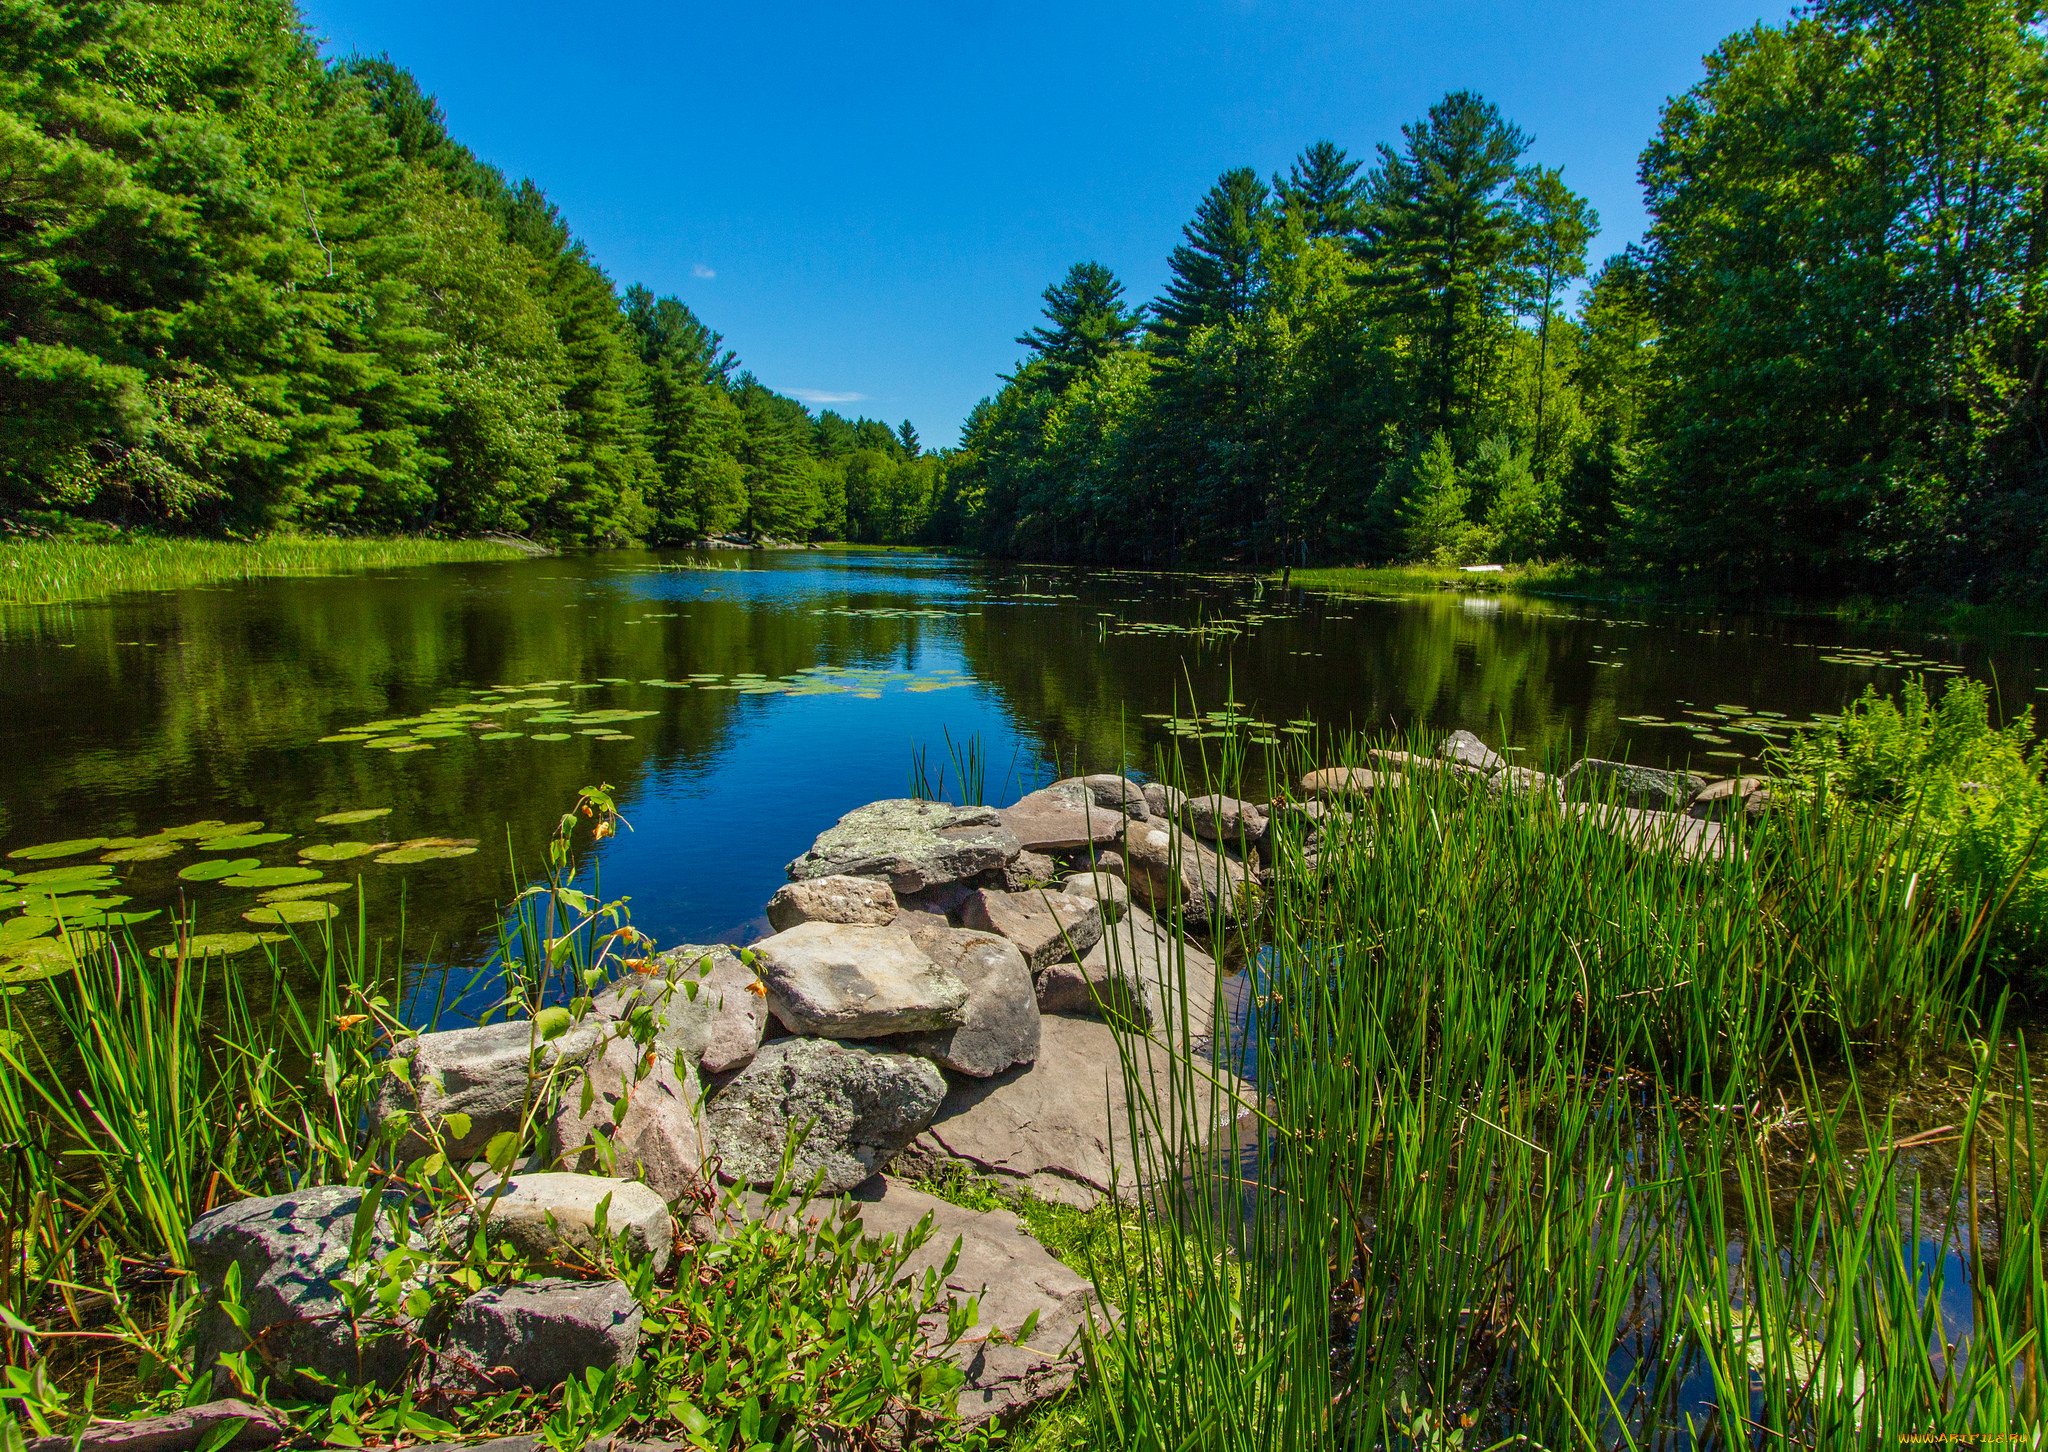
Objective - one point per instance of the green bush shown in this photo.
(1973, 788)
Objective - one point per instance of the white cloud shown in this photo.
(700, 270)
(817, 395)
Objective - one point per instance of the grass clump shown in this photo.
(1557, 1141)
(62, 570)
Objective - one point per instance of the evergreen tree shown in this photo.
(1440, 237)
(1089, 322)
(1216, 266)
(1321, 190)
(1557, 226)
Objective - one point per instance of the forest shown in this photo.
(246, 289)
(243, 290)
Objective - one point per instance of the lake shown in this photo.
(739, 703)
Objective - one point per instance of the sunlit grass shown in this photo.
(49, 571)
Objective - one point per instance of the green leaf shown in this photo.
(457, 1125)
(552, 1023)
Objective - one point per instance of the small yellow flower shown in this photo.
(756, 989)
(348, 1021)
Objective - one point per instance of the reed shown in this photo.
(55, 571)
(1554, 1141)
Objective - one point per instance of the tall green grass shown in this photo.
(51, 571)
(1559, 1142)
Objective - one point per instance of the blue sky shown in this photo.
(867, 200)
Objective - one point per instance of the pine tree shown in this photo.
(1089, 322)
(1216, 268)
(1322, 191)
(1440, 236)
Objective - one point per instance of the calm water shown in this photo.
(754, 705)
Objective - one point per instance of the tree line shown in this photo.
(243, 289)
(1821, 369)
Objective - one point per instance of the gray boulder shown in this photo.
(1029, 870)
(1643, 787)
(855, 1105)
(552, 1218)
(1111, 894)
(835, 899)
(179, 1431)
(846, 982)
(1468, 750)
(1225, 819)
(1118, 793)
(289, 1248)
(1522, 781)
(1722, 801)
(537, 1334)
(641, 1123)
(915, 845)
(1014, 1279)
(1136, 974)
(1167, 868)
(999, 1025)
(1348, 781)
(1045, 926)
(1062, 818)
(1164, 801)
(715, 1025)
(485, 1073)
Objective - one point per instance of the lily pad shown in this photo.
(148, 852)
(341, 851)
(227, 829)
(26, 926)
(214, 871)
(551, 736)
(326, 739)
(387, 743)
(78, 872)
(406, 856)
(202, 945)
(244, 842)
(44, 958)
(500, 735)
(273, 877)
(349, 819)
(416, 746)
(47, 850)
(311, 910)
(304, 890)
(13, 900)
(71, 908)
(196, 829)
(113, 920)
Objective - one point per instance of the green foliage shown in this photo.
(1434, 525)
(1973, 789)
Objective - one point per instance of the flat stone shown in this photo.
(1139, 973)
(1643, 787)
(1164, 801)
(717, 1026)
(1055, 1127)
(1053, 820)
(835, 899)
(652, 1136)
(1013, 1279)
(1111, 894)
(480, 1072)
(1686, 838)
(519, 1210)
(1465, 748)
(537, 1334)
(846, 982)
(1224, 819)
(862, 1103)
(179, 1431)
(999, 1026)
(1348, 781)
(1045, 926)
(290, 1248)
(913, 844)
